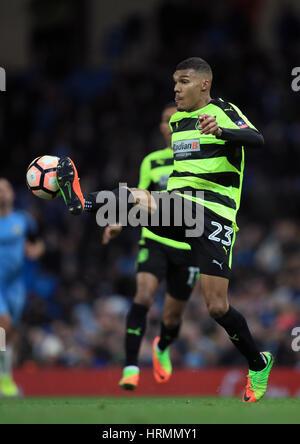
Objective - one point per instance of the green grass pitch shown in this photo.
(148, 411)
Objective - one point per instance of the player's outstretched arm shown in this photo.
(243, 136)
(248, 137)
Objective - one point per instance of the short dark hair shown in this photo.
(195, 63)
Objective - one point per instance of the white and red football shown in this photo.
(41, 177)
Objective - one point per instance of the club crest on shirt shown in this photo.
(242, 124)
(198, 126)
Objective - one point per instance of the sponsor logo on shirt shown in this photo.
(185, 148)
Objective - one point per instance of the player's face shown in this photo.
(190, 86)
(6, 193)
(164, 124)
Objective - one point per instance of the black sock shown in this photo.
(90, 204)
(236, 327)
(135, 330)
(123, 198)
(167, 336)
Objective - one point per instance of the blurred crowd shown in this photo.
(107, 119)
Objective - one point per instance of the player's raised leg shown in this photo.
(68, 182)
(147, 285)
(215, 291)
(76, 202)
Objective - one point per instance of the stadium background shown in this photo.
(88, 79)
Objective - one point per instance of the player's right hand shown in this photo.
(110, 233)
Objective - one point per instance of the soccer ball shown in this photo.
(41, 177)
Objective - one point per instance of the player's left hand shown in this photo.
(209, 125)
